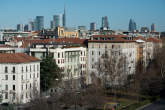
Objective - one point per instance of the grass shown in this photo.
(137, 105)
(128, 103)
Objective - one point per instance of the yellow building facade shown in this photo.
(66, 33)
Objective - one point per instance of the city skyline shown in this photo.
(84, 12)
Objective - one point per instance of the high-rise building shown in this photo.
(153, 28)
(39, 23)
(26, 28)
(64, 18)
(105, 23)
(57, 21)
(93, 26)
(31, 26)
(145, 29)
(20, 27)
(82, 27)
(51, 24)
(132, 25)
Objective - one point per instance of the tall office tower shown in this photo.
(20, 27)
(145, 29)
(39, 23)
(31, 26)
(51, 25)
(26, 28)
(132, 25)
(153, 28)
(57, 19)
(82, 27)
(64, 18)
(93, 26)
(105, 23)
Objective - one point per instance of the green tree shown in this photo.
(51, 75)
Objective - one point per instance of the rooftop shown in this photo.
(16, 58)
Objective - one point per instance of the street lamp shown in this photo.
(76, 93)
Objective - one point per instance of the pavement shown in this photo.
(159, 105)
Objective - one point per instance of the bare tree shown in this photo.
(112, 69)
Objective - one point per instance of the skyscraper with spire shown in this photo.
(64, 17)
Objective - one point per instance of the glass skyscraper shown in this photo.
(132, 25)
(105, 23)
(39, 23)
(57, 21)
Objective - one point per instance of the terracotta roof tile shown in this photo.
(155, 40)
(110, 38)
(16, 58)
(5, 46)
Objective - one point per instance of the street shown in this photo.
(159, 105)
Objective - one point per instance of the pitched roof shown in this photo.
(154, 39)
(5, 46)
(71, 40)
(139, 38)
(27, 43)
(110, 38)
(16, 58)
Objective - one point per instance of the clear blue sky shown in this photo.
(82, 12)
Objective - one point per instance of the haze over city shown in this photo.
(83, 12)
(82, 55)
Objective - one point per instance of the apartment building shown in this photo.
(71, 58)
(19, 77)
(115, 46)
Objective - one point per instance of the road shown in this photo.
(159, 105)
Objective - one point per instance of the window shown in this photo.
(92, 66)
(34, 68)
(22, 87)
(112, 46)
(13, 69)
(26, 69)
(58, 55)
(22, 96)
(26, 95)
(37, 75)
(6, 77)
(92, 59)
(13, 87)
(26, 86)
(22, 68)
(6, 95)
(99, 53)
(14, 96)
(6, 69)
(30, 68)
(62, 55)
(92, 52)
(22, 77)
(13, 77)
(6, 87)
(30, 75)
